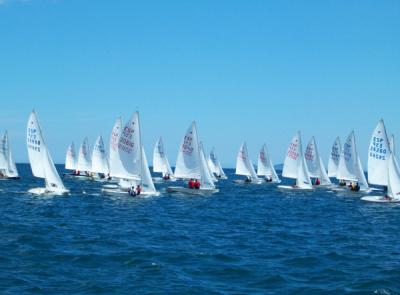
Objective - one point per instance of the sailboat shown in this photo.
(350, 167)
(393, 184)
(215, 165)
(71, 161)
(334, 158)
(161, 163)
(8, 170)
(84, 164)
(295, 166)
(190, 164)
(315, 165)
(100, 169)
(209, 174)
(265, 167)
(245, 167)
(128, 161)
(41, 163)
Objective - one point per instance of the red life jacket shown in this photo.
(197, 184)
(191, 184)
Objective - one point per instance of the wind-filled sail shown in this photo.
(7, 164)
(160, 161)
(314, 163)
(129, 147)
(244, 166)
(147, 181)
(265, 166)
(215, 165)
(393, 178)
(348, 163)
(392, 145)
(41, 163)
(117, 170)
(99, 158)
(378, 156)
(70, 158)
(188, 160)
(207, 178)
(295, 166)
(84, 160)
(334, 158)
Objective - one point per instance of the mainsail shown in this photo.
(378, 156)
(244, 166)
(99, 158)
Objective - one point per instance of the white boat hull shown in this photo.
(190, 191)
(40, 191)
(379, 199)
(124, 193)
(291, 187)
(240, 181)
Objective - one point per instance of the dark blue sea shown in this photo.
(244, 240)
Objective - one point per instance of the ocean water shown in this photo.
(247, 239)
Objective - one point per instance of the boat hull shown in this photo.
(379, 199)
(124, 193)
(290, 187)
(42, 191)
(190, 191)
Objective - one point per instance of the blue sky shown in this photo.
(244, 70)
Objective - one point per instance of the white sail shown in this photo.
(348, 162)
(160, 161)
(334, 158)
(295, 166)
(84, 161)
(393, 178)
(362, 180)
(188, 160)
(315, 164)
(39, 157)
(244, 166)
(208, 174)
(215, 165)
(378, 156)
(7, 165)
(129, 147)
(70, 158)
(99, 158)
(117, 170)
(392, 145)
(265, 166)
(147, 181)
(293, 156)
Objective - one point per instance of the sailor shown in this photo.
(342, 182)
(197, 184)
(138, 189)
(132, 192)
(191, 183)
(167, 177)
(248, 179)
(317, 181)
(268, 178)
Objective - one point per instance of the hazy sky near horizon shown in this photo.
(244, 70)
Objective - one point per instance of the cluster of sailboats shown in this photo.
(125, 170)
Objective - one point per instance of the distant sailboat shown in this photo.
(84, 164)
(295, 166)
(41, 163)
(350, 168)
(245, 167)
(334, 158)
(160, 161)
(215, 165)
(191, 164)
(128, 161)
(265, 167)
(8, 170)
(70, 158)
(315, 165)
(100, 167)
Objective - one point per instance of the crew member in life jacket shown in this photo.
(268, 179)
(167, 177)
(354, 186)
(191, 183)
(342, 182)
(197, 184)
(135, 192)
(317, 181)
(248, 179)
